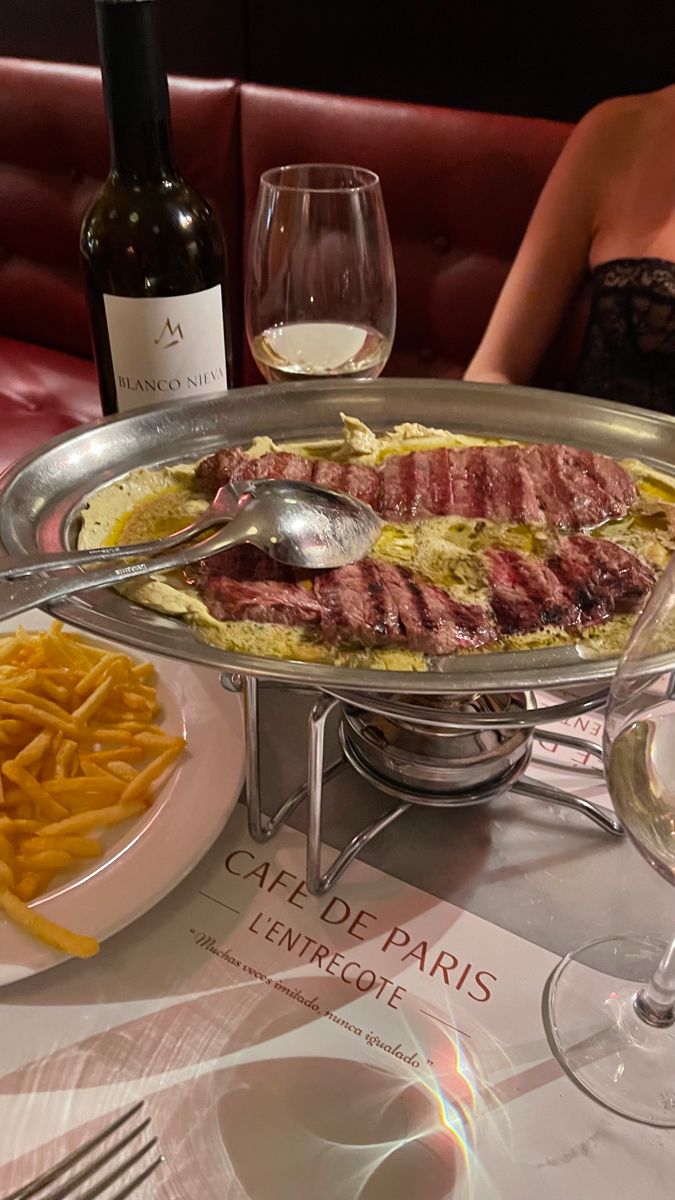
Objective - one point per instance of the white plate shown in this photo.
(147, 858)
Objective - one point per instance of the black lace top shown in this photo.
(629, 348)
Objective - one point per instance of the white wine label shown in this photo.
(166, 347)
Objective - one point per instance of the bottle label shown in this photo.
(166, 347)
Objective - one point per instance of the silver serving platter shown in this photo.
(42, 495)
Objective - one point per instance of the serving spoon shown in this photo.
(300, 524)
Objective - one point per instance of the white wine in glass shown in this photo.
(611, 1004)
(320, 284)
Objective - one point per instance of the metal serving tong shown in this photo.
(299, 524)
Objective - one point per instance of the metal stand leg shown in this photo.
(552, 795)
(317, 883)
(261, 825)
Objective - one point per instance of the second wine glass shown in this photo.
(320, 287)
(611, 1004)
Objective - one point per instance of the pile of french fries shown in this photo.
(80, 750)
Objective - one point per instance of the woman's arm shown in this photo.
(553, 255)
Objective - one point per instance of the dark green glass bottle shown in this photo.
(153, 250)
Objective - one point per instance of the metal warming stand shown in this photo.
(463, 751)
(459, 734)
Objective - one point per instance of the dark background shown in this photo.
(547, 59)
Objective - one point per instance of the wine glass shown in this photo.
(320, 287)
(611, 1005)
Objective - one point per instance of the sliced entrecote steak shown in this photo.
(525, 594)
(528, 485)
(597, 573)
(265, 601)
(586, 581)
(368, 604)
(373, 603)
(378, 604)
(243, 584)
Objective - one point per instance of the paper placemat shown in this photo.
(571, 769)
(374, 1043)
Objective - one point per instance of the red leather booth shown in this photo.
(458, 186)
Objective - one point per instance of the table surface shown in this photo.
(540, 872)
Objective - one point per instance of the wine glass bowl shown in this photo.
(611, 1004)
(320, 285)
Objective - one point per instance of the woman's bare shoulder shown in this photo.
(610, 121)
(609, 135)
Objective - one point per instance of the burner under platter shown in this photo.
(438, 765)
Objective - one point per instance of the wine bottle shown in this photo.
(153, 250)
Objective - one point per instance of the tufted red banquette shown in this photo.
(458, 186)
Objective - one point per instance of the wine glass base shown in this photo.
(599, 1038)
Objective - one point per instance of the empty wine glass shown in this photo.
(611, 1005)
(320, 286)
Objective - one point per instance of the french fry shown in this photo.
(156, 741)
(79, 753)
(85, 783)
(80, 802)
(16, 826)
(56, 691)
(143, 671)
(86, 821)
(124, 754)
(65, 757)
(94, 675)
(37, 716)
(78, 847)
(139, 786)
(123, 770)
(6, 850)
(93, 702)
(48, 860)
(7, 876)
(47, 931)
(20, 696)
(33, 884)
(35, 791)
(35, 749)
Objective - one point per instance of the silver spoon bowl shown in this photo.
(300, 524)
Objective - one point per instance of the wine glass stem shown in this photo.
(655, 1003)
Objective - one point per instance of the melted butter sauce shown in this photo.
(656, 491)
(151, 519)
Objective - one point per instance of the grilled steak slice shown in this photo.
(532, 485)
(246, 564)
(364, 483)
(357, 607)
(526, 595)
(578, 489)
(377, 604)
(243, 584)
(433, 622)
(585, 582)
(600, 577)
(225, 465)
(264, 600)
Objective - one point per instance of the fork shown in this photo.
(89, 1169)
